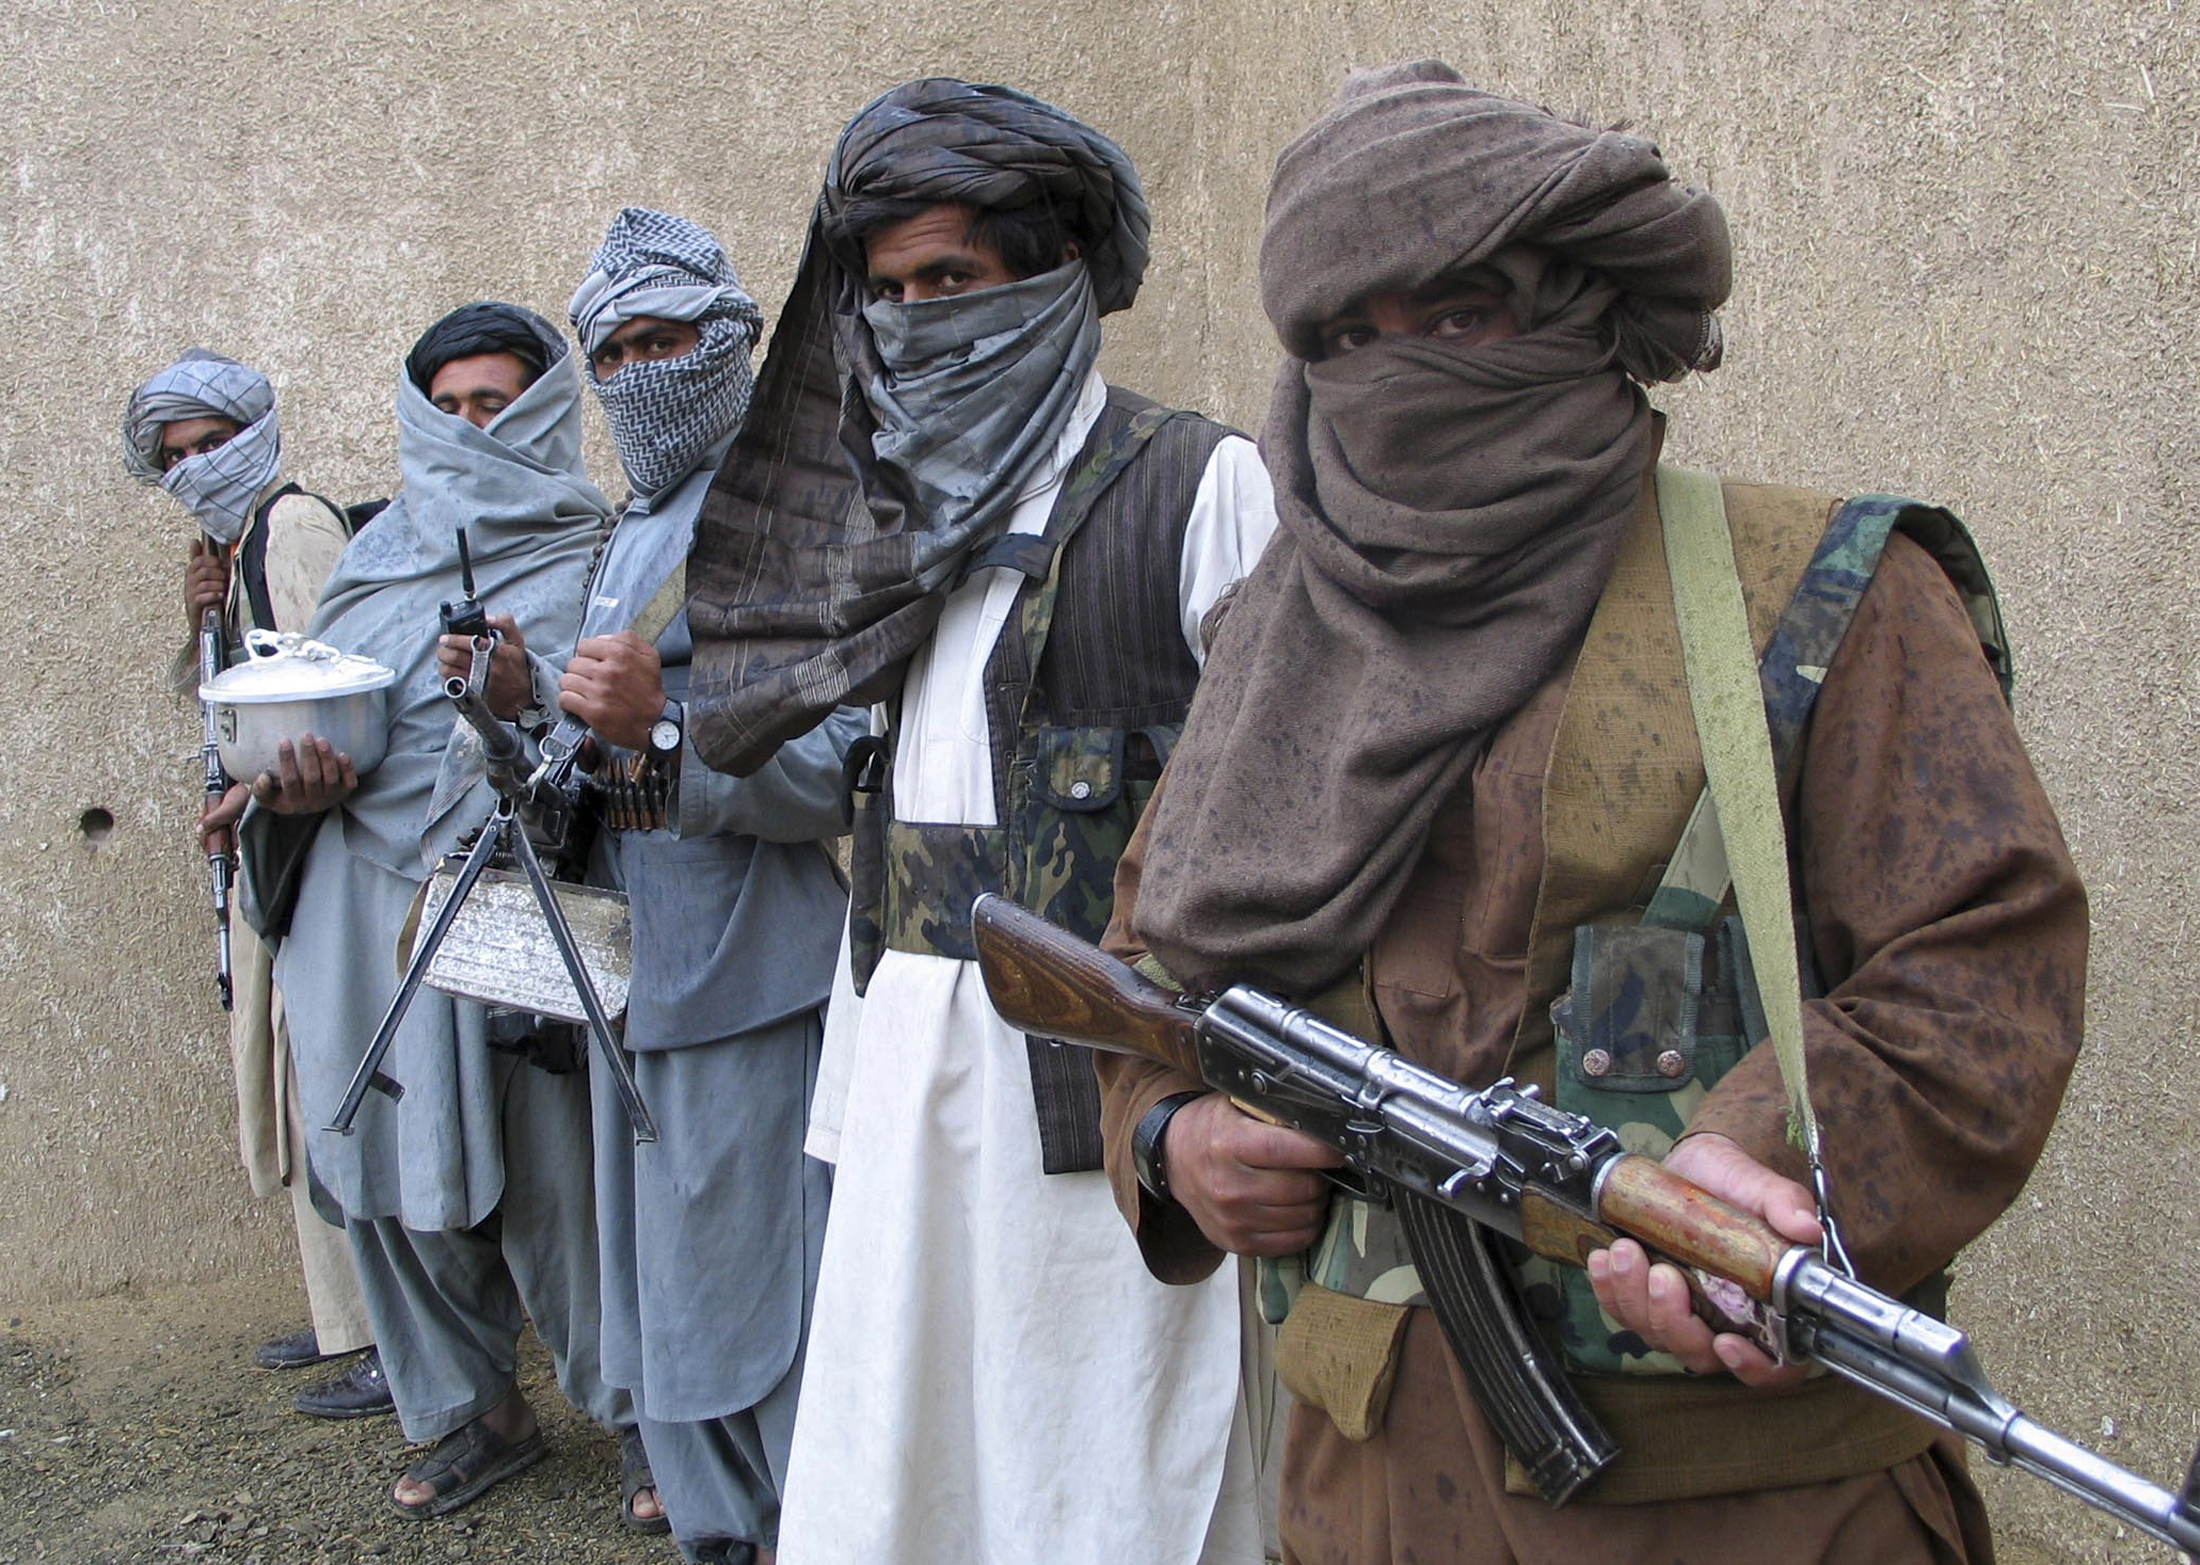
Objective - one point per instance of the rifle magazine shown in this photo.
(1517, 1378)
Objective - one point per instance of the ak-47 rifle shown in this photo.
(532, 802)
(221, 868)
(1556, 1182)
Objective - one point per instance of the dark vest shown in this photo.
(1086, 692)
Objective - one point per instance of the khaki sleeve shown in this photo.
(1175, 1250)
(1949, 927)
(304, 537)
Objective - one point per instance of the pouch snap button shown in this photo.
(1597, 1062)
(1672, 1064)
(1080, 789)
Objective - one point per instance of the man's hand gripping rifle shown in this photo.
(221, 867)
(1556, 1182)
(534, 804)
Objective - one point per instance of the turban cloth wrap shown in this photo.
(855, 497)
(219, 487)
(486, 327)
(1449, 513)
(666, 414)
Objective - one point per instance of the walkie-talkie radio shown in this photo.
(466, 617)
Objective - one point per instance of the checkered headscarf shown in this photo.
(221, 486)
(666, 413)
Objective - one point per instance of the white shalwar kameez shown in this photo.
(994, 1378)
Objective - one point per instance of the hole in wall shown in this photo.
(96, 825)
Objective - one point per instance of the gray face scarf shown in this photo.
(219, 487)
(820, 565)
(533, 522)
(974, 390)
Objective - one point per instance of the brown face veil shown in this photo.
(1449, 514)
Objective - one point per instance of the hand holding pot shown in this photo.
(313, 775)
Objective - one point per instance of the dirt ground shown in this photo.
(134, 1431)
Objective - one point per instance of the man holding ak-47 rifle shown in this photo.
(1441, 782)
(204, 429)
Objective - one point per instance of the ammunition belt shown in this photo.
(633, 793)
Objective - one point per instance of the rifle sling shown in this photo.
(1518, 1380)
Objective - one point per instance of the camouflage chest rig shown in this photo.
(1086, 693)
(1640, 996)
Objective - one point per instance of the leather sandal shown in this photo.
(464, 1465)
(634, 1477)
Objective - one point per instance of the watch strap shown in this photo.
(1146, 1142)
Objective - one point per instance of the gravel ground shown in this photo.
(134, 1431)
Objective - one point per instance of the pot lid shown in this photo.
(286, 666)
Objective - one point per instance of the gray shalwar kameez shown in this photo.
(471, 1196)
(710, 1237)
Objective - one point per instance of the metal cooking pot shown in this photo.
(288, 687)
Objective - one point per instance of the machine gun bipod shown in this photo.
(543, 793)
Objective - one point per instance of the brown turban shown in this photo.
(1412, 174)
(1449, 513)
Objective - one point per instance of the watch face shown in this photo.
(664, 736)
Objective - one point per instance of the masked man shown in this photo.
(710, 1237)
(1443, 756)
(204, 429)
(471, 1197)
(1019, 576)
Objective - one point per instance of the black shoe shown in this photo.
(361, 1391)
(295, 1351)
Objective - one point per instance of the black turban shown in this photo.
(487, 327)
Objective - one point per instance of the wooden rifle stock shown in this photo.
(1046, 981)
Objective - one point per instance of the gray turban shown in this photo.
(938, 410)
(940, 140)
(220, 487)
(666, 414)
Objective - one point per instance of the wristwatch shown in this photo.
(1146, 1143)
(666, 734)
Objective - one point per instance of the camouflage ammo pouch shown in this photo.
(1657, 1011)
(1653, 1018)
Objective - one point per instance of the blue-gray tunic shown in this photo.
(709, 1238)
(433, 1160)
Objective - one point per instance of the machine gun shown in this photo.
(533, 804)
(221, 866)
(1556, 1182)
